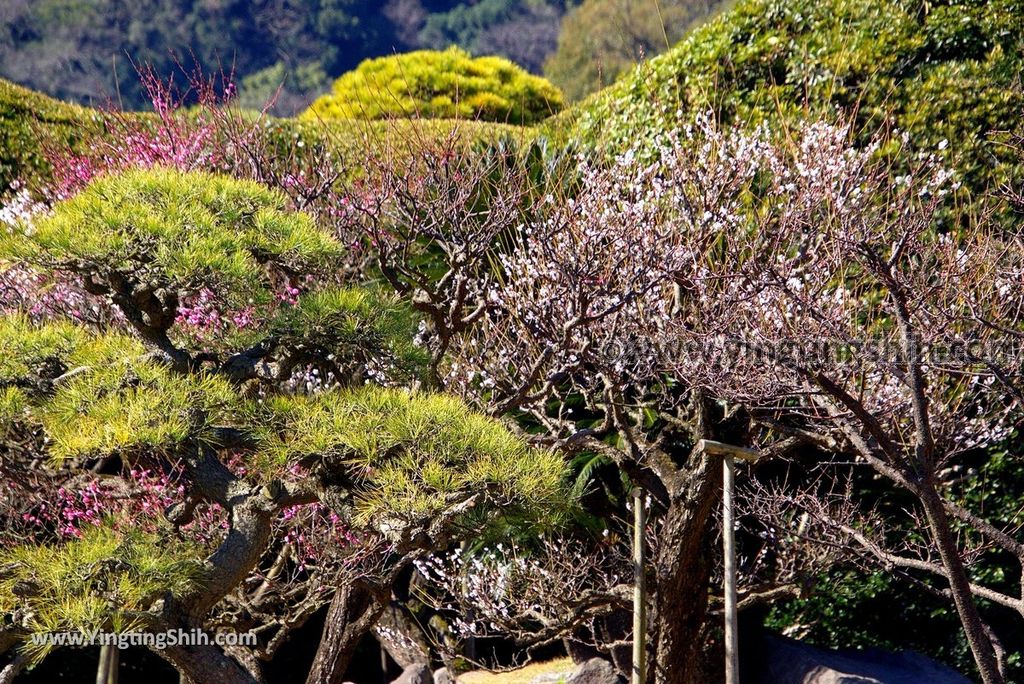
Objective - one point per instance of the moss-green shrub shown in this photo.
(29, 121)
(945, 70)
(439, 85)
(32, 123)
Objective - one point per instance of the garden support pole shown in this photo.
(106, 671)
(729, 454)
(639, 592)
(732, 656)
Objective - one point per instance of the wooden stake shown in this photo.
(729, 454)
(639, 591)
(732, 656)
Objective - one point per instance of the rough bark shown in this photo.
(206, 664)
(12, 669)
(352, 613)
(682, 572)
(960, 586)
(9, 638)
(251, 511)
(924, 460)
(401, 638)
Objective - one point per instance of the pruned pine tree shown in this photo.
(264, 402)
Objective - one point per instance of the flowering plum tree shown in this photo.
(257, 426)
(660, 304)
(863, 323)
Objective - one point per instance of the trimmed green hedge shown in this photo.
(30, 122)
(439, 85)
(942, 70)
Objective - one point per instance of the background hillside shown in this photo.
(84, 50)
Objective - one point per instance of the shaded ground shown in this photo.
(526, 675)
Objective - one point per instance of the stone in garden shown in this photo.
(442, 676)
(779, 660)
(594, 671)
(417, 673)
(551, 678)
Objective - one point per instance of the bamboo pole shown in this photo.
(639, 591)
(115, 661)
(732, 656)
(729, 454)
(106, 671)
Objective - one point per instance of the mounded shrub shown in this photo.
(946, 70)
(33, 124)
(602, 39)
(29, 121)
(447, 84)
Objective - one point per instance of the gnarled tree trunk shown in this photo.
(682, 572)
(352, 613)
(206, 663)
(401, 638)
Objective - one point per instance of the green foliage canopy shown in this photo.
(945, 70)
(439, 85)
(187, 231)
(410, 454)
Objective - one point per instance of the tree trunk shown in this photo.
(13, 668)
(682, 573)
(206, 664)
(352, 613)
(959, 584)
(401, 638)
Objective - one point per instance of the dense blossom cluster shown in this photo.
(509, 590)
(169, 139)
(819, 289)
(744, 266)
(141, 498)
(142, 494)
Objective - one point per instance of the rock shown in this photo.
(417, 673)
(594, 671)
(442, 676)
(778, 660)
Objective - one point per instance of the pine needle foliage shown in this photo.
(25, 346)
(13, 406)
(188, 230)
(408, 455)
(134, 407)
(104, 581)
(414, 453)
(357, 326)
(115, 398)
